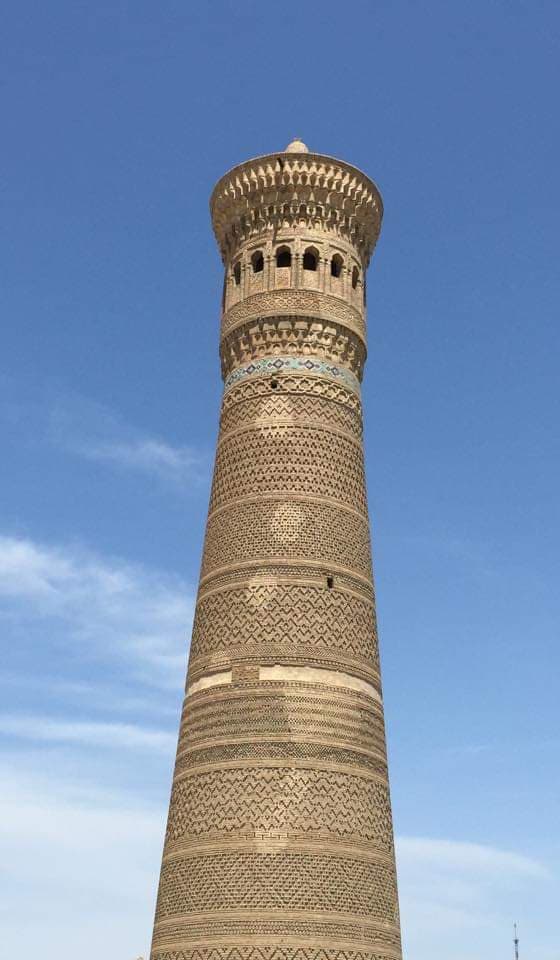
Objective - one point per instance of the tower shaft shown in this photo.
(279, 839)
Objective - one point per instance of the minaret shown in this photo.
(279, 840)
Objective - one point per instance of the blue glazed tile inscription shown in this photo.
(312, 366)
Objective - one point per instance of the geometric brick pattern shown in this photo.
(282, 880)
(302, 303)
(255, 712)
(285, 613)
(287, 529)
(279, 841)
(293, 407)
(282, 931)
(320, 753)
(291, 459)
(294, 385)
(280, 801)
(268, 953)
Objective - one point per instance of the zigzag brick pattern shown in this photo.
(294, 386)
(250, 801)
(267, 953)
(284, 931)
(290, 613)
(302, 408)
(279, 841)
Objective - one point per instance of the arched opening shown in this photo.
(257, 261)
(237, 274)
(310, 259)
(283, 257)
(336, 265)
(355, 277)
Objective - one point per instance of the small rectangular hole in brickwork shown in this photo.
(274, 384)
(330, 582)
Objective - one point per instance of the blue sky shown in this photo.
(117, 120)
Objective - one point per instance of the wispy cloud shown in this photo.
(86, 859)
(475, 858)
(80, 869)
(72, 600)
(115, 736)
(112, 697)
(178, 464)
(459, 899)
(82, 794)
(81, 862)
(93, 431)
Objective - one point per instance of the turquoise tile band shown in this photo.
(312, 366)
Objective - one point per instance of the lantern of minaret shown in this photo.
(279, 840)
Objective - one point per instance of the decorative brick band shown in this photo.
(304, 189)
(308, 366)
(294, 303)
(289, 674)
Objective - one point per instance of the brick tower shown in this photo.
(279, 841)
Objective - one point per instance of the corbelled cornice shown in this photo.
(286, 188)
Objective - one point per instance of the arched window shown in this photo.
(336, 265)
(257, 261)
(355, 277)
(283, 257)
(310, 259)
(237, 274)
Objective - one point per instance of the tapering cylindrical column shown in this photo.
(279, 839)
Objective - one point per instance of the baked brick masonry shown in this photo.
(279, 840)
